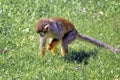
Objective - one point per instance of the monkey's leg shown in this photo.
(53, 46)
(67, 39)
(64, 48)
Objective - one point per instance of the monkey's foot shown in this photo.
(63, 53)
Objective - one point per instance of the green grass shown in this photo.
(19, 44)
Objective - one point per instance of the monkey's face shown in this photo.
(46, 31)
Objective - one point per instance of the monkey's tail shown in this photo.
(99, 43)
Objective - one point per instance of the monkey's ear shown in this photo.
(47, 27)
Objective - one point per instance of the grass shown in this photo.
(19, 44)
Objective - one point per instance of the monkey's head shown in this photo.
(43, 27)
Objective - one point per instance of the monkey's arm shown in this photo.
(42, 46)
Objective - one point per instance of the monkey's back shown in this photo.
(65, 24)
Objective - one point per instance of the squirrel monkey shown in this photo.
(60, 30)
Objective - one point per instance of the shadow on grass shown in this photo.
(80, 56)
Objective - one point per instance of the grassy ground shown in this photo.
(19, 44)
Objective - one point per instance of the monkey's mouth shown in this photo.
(42, 34)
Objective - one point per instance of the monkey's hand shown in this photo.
(42, 52)
(49, 47)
